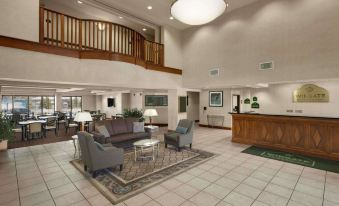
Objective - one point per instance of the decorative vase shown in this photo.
(3, 145)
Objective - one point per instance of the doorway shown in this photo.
(193, 103)
(236, 103)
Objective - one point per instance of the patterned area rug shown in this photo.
(140, 175)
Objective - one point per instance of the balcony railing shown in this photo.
(65, 31)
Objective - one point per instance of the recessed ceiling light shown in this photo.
(171, 18)
(227, 5)
(120, 17)
(79, 2)
(144, 29)
(149, 7)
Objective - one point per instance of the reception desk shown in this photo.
(313, 136)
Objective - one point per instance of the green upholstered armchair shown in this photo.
(182, 136)
(96, 156)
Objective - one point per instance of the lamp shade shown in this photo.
(150, 113)
(83, 117)
(197, 12)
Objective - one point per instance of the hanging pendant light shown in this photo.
(197, 12)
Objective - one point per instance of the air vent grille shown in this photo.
(214, 72)
(266, 65)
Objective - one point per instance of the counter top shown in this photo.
(283, 115)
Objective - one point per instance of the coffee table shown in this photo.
(146, 145)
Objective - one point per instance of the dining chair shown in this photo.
(34, 130)
(62, 119)
(51, 124)
(71, 124)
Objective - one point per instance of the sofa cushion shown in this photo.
(107, 124)
(119, 126)
(138, 127)
(128, 137)
(129, 123)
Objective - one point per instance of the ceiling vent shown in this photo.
(214, 72)
(266, 65)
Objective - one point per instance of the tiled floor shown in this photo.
(42, 175)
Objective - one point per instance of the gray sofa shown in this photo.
(120, 130)
(178, 139)
(96, 156)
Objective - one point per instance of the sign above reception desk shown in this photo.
(311, 93)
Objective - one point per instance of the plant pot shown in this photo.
(3, 145)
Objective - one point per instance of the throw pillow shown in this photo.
(181, 130)
(100, 147)
(102, 130)
(138, 127)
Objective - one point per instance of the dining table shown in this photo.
(24, 124)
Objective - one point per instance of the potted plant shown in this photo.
(135, 113)
(6, 131)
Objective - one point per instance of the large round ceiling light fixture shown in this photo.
(197, 12)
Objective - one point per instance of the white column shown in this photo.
(173, 107)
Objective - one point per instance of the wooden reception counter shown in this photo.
(314, 136)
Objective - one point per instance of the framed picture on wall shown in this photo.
(216, 98)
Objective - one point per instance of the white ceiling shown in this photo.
(161, 9)
(137, 11)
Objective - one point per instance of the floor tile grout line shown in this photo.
(16, 175)
(263, 190)
(295, 185)
(43, 177)
(324, 188)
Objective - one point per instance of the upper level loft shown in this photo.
(66, 35)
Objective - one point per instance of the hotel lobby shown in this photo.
(168, 103)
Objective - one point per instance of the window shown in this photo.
(71, 105)
(48, 105)
(76, 105)
(35, 105)
(20, 104)
(6, 104)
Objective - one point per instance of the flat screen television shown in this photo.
(110, 102)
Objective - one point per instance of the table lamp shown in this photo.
(150, 113)
(83, 117)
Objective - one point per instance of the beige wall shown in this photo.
(20, 19)
(40, 67)
(300, 36)
(172, 39)
(111, 111)
(276, 99)
(223, 111)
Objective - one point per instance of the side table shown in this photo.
(76, 146)
(152, 129)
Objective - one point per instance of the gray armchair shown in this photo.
(96, 156)
(180, 137)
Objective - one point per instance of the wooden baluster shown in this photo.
(93, 34)
(57, 29)
(102, 37)
(48, 23)
(118, 39)
(41, 25)
(114, 42)
(110, 37)
(85, 34)
(52, 26)
(72, 33)
(62, 30)
(67, 26)
(80, 34)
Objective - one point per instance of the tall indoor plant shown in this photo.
(6, 131)
(135, 113)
